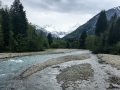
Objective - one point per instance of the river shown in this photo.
(10, 68)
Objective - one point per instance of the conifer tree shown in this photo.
(19, 19)
(112, 31)
(101, 24)
(1, 39)
(50, 40)
(117, 31)
(5, 26)
(82, 40)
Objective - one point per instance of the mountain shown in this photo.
(48, 29)
(55, 31)
(72, 28)
(59, 34)
(89, 26)
(40, 29)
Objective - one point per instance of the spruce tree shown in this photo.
(117, 31)
(50, 40)
(112, 31)
(1, 39)
(101, 24)
(5, 26)
(82, 40)
(19, 19)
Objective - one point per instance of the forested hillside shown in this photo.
(89, 26)
(106, 38)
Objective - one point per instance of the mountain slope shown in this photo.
(90, 25)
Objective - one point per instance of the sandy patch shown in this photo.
(48, 51)
(113, 60)
(51, 62)
(74, 73)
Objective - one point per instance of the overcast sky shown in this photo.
(63, 13)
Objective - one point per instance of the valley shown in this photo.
(46, 45)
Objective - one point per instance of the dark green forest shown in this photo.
(18, 35)
(106, 38)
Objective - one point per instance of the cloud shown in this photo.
(71, 6)
(68, 6)
(63, 13)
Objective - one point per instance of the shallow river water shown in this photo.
(11, 68)
(45, 79)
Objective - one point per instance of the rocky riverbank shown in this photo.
(51, 62)
(48, 51)
(113, 60)
(78, 70)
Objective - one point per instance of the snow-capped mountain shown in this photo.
(55, 31)
(55, 34)
(60, 34)
(51, 28)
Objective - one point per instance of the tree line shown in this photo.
(16, 33)
(106, 38)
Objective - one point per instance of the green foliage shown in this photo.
(106, 40)
(5, 26)
(50, 40)
(57, 43)
(101, 24)
(1, 39)
(68, 45)
(36, 42)
(20, 43)
(16, 34)
(82, 40)
(19, 20)
(89, 44)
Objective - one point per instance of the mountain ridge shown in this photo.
(89, 26)
(55, 31)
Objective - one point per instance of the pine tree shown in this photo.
(19, 19)
(5, 26)
(82, 40)
(117, 31)
(101, 24)
(112, 31)
(1, 39)
(50, 40)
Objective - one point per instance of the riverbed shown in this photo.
(10, 68)
(89, 73)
